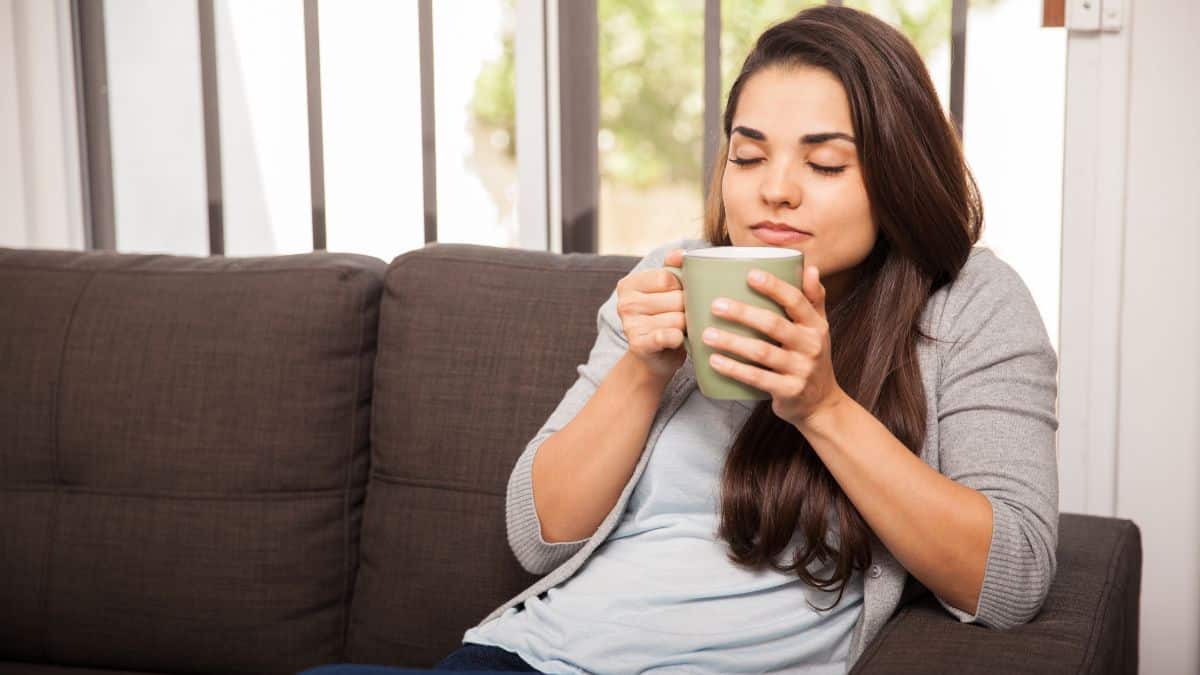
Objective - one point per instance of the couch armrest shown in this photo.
(1088, 624)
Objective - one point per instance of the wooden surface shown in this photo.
(1054, 13)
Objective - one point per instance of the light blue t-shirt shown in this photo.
(660, 594)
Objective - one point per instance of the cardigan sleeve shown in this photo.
(996, 424)
(524, 528)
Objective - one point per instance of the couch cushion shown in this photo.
(1088, 623)
(183, 448)
(476, 347)
(9, 668)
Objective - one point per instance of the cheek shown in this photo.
(848, 211)
(858, 212)
(732, 203)
(847, 203)
(729, 188)
(733, 194)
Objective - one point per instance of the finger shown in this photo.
(648, 327)
(674, 257)
(814, 290)
(649, 304)
(669, 320)
(775, 384)
(764, 353)
(792, 299)
(656, 281)
(668, 338)
(780, 328)
(651, 338)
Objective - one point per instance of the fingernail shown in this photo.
(720, 306)
(710, 334)
(757, 277)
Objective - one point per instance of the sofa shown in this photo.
(258, 465)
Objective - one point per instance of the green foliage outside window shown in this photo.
(651, 60)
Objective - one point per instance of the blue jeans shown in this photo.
(469, 658)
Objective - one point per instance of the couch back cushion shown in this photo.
(183, 451)
(477, 346)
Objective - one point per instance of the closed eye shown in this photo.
(827, 170)
(819, 168)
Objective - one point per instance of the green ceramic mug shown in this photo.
(720, 272)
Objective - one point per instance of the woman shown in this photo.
(909, 433)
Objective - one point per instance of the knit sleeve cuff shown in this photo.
(1014, 581)
(535, 554)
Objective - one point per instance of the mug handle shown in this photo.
(678, 272)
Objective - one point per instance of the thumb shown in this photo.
(674, 257)
(814, 290)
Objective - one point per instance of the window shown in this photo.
(651, 70)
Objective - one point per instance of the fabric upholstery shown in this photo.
(476, 347)
(1089, 623)
(10, 668)
(183, 453)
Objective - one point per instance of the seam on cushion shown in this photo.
(433, 484)
(1089, 656)
(55, 472)
(349, 577)
(282, 495)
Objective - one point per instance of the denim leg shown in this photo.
(471, 656)
(357, 669)
(468, 658)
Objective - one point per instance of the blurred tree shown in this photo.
(651, 75)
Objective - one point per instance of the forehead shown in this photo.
(790, 102)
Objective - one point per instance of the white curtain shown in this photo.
(40, 186)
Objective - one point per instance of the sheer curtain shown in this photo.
(40, 188)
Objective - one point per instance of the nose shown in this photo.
(781, 186)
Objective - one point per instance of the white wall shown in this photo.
(1158, 457)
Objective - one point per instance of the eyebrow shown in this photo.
(807, 139)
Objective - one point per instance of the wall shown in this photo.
(1158, 457)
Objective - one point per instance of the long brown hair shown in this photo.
(926, 205)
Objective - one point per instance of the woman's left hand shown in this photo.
(798, 373)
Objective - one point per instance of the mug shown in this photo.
(720, 272)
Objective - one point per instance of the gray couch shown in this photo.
(224, 465)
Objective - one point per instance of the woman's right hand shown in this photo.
(650, 304)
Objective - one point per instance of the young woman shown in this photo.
(909, 436)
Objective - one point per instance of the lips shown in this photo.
(779, 227)
(781, 237)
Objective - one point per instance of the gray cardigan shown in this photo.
(990, 390)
